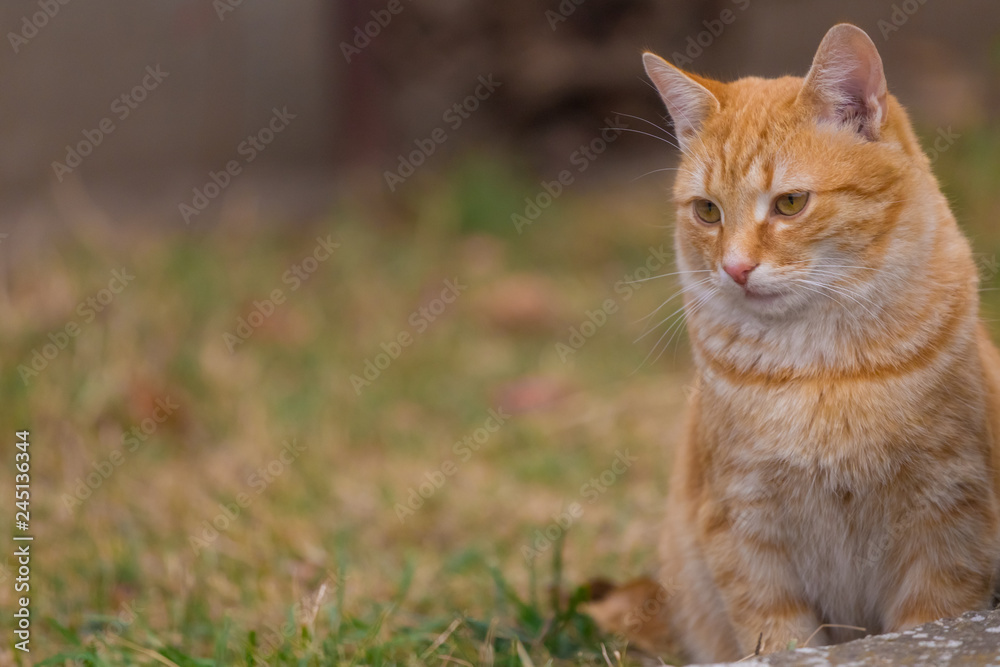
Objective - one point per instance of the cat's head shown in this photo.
(789, 188)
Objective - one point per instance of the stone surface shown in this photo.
(970, 639)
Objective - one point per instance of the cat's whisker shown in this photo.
(687, 318)
(833, 266)
(628, 129)
(658, 127)
(646, 120)
(656, 171)
(843, 289)
(659, 324)
(837, 277)
(841, 281)
(847, 266)
(847, 292)
(664, 275)
(830, 271)
(834, 289)
(672, 297)
(678, 325)
(822, 293)
(656, 345)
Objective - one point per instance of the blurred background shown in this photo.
(324, 315)
(362, 93)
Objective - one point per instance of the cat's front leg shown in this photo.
(764, 597)
(944, 560)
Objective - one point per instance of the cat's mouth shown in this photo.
(761, 297)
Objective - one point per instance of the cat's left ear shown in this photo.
(846, 83)
(687, 99)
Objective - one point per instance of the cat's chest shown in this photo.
(846, 431)
(830, 530)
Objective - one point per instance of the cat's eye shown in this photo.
(791, 203)
(707, 211)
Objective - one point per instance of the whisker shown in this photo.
(664, 275)
(687, 316)
(847, 266)
(658, 324)
(674, 296)
(678, 324)
(646, 120)
(658, 127)
(822, 293)
(844, 289)
(841, 280)
(655, 345)
(834, 266)
(842, 293)
(656, 171)
(628, 129)
(824, 273)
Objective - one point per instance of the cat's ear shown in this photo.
(687, 100)
(846, 83)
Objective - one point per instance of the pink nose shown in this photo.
(739, 271)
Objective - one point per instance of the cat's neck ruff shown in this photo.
(885, 325)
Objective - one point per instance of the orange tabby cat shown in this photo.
(840, 464)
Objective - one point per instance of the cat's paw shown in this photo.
(634, 612)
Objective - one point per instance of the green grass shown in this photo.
(318, 633)
(317, 556)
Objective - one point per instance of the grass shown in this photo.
(310, 560)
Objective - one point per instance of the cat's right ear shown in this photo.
(688, 102)
(846, 83)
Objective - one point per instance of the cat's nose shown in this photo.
(739, 270)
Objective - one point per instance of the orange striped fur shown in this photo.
(840, 461)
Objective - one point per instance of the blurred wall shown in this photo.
(227, 64)
(566, 63)
(364, 79)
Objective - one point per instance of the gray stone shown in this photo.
(971, 639)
